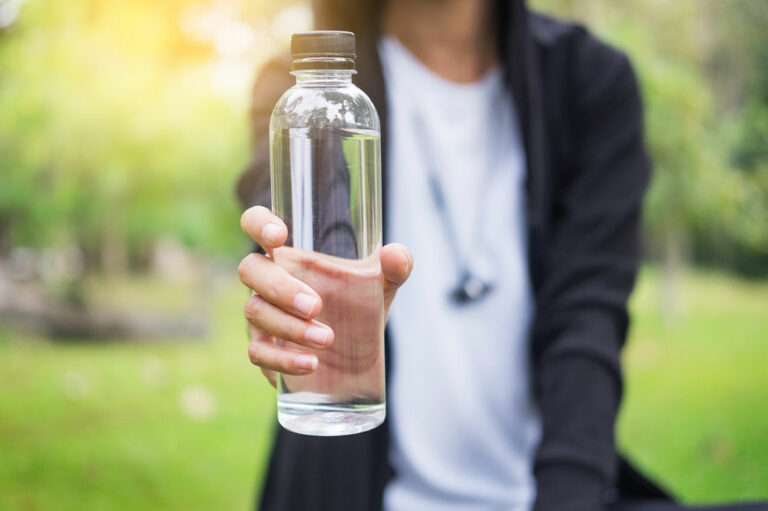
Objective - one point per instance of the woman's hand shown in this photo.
(283, 306)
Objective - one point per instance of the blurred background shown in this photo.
(124, 379)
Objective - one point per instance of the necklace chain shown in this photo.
(470, 287)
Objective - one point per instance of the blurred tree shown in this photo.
(738, 68)
(701, 205)
(123, 123)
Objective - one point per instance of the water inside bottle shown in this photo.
(330, 201)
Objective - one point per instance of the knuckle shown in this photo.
(245, 266)
(272, 290)
(285, 366)
(262, 336)
(253, 307)
(296, 331)
(254, 354)
(291, 334)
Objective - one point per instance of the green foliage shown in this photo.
(701, 66)
(110, 128)
(111, 132)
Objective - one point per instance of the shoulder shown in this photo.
(559, 36)
(596, 72)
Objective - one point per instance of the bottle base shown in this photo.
(329, 420)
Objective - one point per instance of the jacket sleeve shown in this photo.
(589, 263)
(253, 186)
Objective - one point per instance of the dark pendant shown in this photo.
(470, 289)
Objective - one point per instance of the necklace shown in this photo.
(470, 287)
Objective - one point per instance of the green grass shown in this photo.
(103, 426)
(696, 402)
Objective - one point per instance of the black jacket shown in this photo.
(580, 112)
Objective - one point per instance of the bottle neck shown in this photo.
(325, 71)
(324, 77)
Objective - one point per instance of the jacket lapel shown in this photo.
(520, 58)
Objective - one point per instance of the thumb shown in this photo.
(396, 266)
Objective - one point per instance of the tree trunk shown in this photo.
(5, 236)
(673, 267)
(114, 260)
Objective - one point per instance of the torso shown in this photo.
(462, 417)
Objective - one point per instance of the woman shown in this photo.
(514, 169)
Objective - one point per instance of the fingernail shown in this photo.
(270, 232)
(304, 303)
(317, 335)
(305, 361)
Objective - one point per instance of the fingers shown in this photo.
(257, 335)
(271, 358)
(285, 326)
(396, 266)
(263, 227)
(278, 287)
(284, 360)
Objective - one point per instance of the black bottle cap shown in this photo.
(323, 43)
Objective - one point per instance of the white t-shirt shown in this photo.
(463, 421)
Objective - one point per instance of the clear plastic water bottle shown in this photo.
(326, 186)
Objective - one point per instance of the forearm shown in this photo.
(588, 271)
(579, 391)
